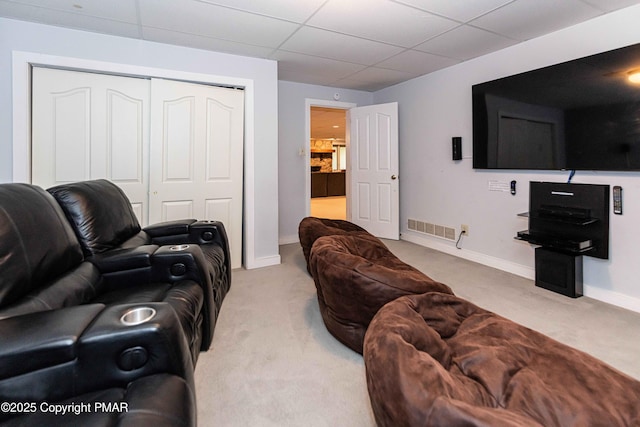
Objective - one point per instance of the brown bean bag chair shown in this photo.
(438, 360)
(310, 228)
(355, 275)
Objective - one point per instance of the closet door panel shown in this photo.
(90, 126)
(197, 136)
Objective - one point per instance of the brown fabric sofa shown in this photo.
(355, 275)
(310, 228)
(438, 360)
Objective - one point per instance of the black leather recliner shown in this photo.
(101, 370)
(43, 267)
(64, 321)
(108, 230)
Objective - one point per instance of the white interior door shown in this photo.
(373, 199)
(90, 126)
(197, 156)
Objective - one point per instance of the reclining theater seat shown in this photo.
(42, 267)
(85, 356)
(310, 228)
(58, 344)
(104, 222)
(438, 360)
(355, 275)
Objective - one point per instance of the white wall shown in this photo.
(292, 137)
(55, 41)
(433, 188)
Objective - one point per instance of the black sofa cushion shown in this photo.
(101, 223)
(36, 243)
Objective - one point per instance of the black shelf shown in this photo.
(572, 247)
(566, 221)
(559, 219)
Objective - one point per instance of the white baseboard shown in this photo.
(263, 262)
(488, 260)
(285, 240)
(612, 297)
(604, 295)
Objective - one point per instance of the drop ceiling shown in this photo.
(354, 44)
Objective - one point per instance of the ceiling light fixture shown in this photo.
(634, 76)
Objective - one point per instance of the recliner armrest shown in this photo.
(112, 349)
(38, 340)
(57, 354)
(124, 258)
(152, 263)
(169, 228)
(164, 264)
(191, 231)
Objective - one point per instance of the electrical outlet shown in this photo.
(464, 229)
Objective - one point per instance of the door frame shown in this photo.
(339, 105)
(21, 85)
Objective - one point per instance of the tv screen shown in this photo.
(578, 115)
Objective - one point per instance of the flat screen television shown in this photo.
(578, 115)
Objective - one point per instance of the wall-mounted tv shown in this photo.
(578, 115)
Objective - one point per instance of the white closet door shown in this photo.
(197, 156)
(90, 126)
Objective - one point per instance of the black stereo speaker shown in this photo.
(456, 147)
(559, 272)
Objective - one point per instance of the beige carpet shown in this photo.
(273, 363)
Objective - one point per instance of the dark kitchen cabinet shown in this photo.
(325, 184)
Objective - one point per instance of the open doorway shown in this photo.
(328, 162)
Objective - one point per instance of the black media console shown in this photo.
(567, 221)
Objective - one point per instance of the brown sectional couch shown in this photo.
(434, 359)
(355, 275)
(311, 228)
(438, 360)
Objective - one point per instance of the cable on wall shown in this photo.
(459, 238)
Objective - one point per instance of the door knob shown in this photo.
(394, 177)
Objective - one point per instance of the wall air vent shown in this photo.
(435, 230)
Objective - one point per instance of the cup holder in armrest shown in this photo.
(138, 315)
(178, 248)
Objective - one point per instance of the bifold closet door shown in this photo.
(90, 126)
(196, 156)
(175, 148)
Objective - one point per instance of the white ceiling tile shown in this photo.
(292, 10)
(309, 78)
(304, 64)
(416, 63)
(67, 19)
(525, 19)
(341, 47)
(380, 20)
(611, 5)
(205, 43)
(457, 9)
(309, 69)
(372, 79)
(117, 10)
(466, 42)
(215, 21)
(363, 44)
